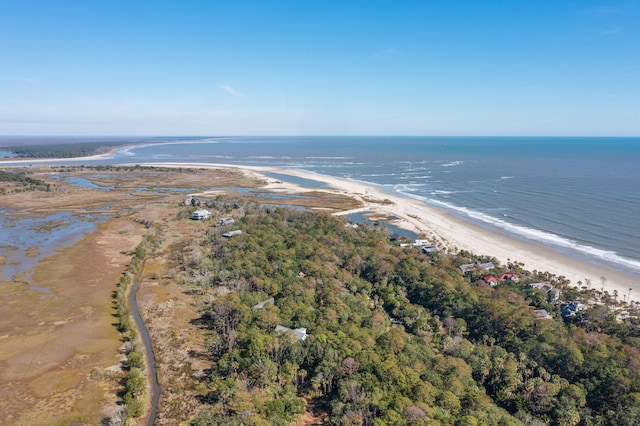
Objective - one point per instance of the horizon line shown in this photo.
(2, 136)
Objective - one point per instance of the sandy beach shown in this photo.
(440, 227)
(450, 232)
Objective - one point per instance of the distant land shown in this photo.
(68, 146)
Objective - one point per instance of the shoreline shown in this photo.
(433, 223)
(451, 232)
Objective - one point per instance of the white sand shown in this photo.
(436, 225)
(450, 232)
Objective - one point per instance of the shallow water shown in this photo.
(27, 239)
(85, 183)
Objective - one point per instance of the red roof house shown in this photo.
(490, 279)
(509, 277)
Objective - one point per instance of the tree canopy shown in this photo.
(393, 335)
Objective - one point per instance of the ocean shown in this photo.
(580, 196)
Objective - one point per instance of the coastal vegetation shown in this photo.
(17, 181)
(61, 150)
(391, 335)
(135, 388)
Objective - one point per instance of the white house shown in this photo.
(430, 249)
(477, 265)
(232, 233)
(300, 333)
(542, 314)
(201, 214)
(226, 221)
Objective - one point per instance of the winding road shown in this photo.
(149, 354)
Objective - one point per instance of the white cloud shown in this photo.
(607, 10)
(230, 90)
(386, 52)
(26, 80)
(609, 31)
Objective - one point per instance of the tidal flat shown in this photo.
(26, 239)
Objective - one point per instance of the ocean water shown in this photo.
(580, 196)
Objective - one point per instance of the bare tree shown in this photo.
(603, 280)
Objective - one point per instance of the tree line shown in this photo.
(25, 182)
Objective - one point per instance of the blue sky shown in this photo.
(319, 67)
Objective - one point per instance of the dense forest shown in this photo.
(61, 150)
(380, 334)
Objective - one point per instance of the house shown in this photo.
(415, 243)
(232, 233)
(510, 277)
(572, 309)
(201, 214)
(430, 249)
(623, 316)
(300, 333)
(191, 201)
(542, 314)
(490, 280)
(467, 267)
(226, 221)
(553, 294)
(476, 265)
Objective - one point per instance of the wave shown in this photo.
(408, 176)
(328, 158)
(400, 188)
(534, 234)
(452, 164)
(215, 157)
(127, 150)
(269, 157)
(409, 186)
